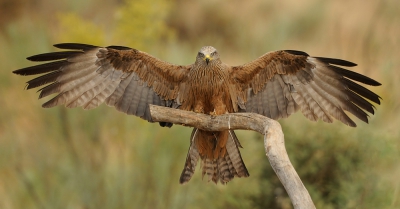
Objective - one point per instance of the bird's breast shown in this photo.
(208, 92)
(207, 82)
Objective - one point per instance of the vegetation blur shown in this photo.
(71, 158)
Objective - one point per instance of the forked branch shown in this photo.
(274, 142)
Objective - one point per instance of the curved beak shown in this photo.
(207, 58)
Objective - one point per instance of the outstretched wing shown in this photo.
(87, 76)
(279, 83)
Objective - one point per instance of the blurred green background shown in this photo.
(71, 158)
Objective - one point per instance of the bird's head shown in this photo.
(207, 55)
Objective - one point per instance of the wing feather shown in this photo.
(280, 97)
(88, 91)
(300, 97)
(338, 90)
(362, 91)
(136, 99)
(314, 101)
(87, 75)
(273, 106)
(340, 98)
(102, 96)
(279, 83)
(115, 97)
(128, 96)
(262, 100)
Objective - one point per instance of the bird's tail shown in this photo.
(220, 156)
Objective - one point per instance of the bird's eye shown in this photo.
(200, 54)
(213, 53)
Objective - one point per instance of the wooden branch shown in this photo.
(274, 142)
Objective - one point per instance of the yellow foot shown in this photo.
(213, 112)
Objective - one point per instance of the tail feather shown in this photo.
(234, 155)
(191, 160)
(226, 170)
(232, 170)
(209, 168)
(222, 168)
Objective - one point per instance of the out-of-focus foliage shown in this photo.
(136, 23)
(71, 158)
(75, 29)
(142, 23)
(12, 9)
(330, 164)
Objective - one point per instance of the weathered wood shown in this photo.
(274, 142)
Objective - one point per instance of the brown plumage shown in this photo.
(276, 85)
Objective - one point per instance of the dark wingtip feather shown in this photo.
(361, 102)
(355, 76)
(374, 83)
(336, 61)
(119, 47)
(353, 125)
(362, 91)
(52, 102)
(76, 46)
(38, 69)
(42, 80)
(17, 72)
(295, 52)
(53, 56)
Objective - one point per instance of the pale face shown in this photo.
(207, 55)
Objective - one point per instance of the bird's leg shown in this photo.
(218, 105)
(199, 107)
(213, 114)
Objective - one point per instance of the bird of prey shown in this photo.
(275, 85)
